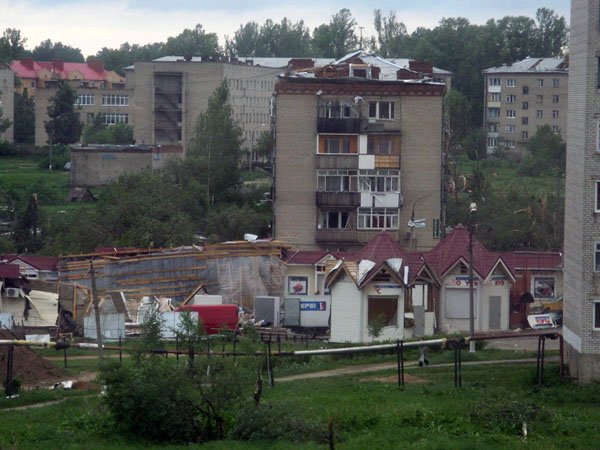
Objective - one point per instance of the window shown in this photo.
(540, 82)
(378, 218)
(509, 129)
(335, 109)
(85, 100)
(333, 219)
(511, 98)
(510, 143)
(543, 287)
(511, 82)
(383, 311)
(381, 110)
(596, 315)
(115, 100)
(379, 180)
(495, 97)
(493, 112)
(596, 256)
(511, 113)
(337, 144)
(525, 90)
(381, 145)
(555, 82)
(539, 114)
(525, 135)
(525, 105)
(113, 118)
(492, 127)
(336, 181)
(598, 73)
(494, 81)
(555, 99)
(555, 113)
(539, 99)
(556, 129)
(597, 206)
(492, 142)
(524, 120)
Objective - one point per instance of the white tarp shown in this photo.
(112, 326)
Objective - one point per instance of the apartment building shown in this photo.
(581, 329)
(171, 92)
(99, 91)
(7, 95)
(358, 150)
(521, 97)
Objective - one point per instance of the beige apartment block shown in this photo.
(355, 155)
(581, 329)
(7, 96)
(521, 97)
(171, 93)
(113, 105)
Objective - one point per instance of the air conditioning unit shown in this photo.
(13, 292)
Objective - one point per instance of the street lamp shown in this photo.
(472, 211)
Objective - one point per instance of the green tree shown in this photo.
(231, 222)
(550, 33)
(194, 42)
(337, 38)
(391, 34)
(285, 38)
(27, 228)
(457, 108)
(126, 55)
(63, 126)
(12, 46)
(216, 146)
(547, 153)
(24, 129)
(48, 50)
(264, 146)
(99, 133)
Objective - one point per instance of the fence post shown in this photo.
(65, 355)
(177, 347)
(400, 362)
(9, 371)
(270, 365)
(279, 342)
(234, 347)
(120, 350)
(540, 360)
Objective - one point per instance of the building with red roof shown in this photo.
(33, 267)
(100, 91)
(429, 290)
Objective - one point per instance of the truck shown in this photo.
(215, 318)
(301, 314)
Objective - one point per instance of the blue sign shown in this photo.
(313, 306)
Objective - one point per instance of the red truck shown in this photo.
(215, 318)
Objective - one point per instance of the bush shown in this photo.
(271, 423)
(61, 155)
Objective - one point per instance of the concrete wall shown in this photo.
(7, 101)
(100, 166)
(582, 224)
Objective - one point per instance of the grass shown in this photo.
(487, 412)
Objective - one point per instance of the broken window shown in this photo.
(383, 310)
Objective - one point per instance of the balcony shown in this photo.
(336, 236)
(387, 161)
(347, 199)
(338, 125)
(340, 161)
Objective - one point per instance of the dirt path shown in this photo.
(33, 405)
(351, 370)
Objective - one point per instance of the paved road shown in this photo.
(529, 344)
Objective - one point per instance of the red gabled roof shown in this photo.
(91, 71)
(39, 262)
(9, 271)
(381, 248)
(455, 247)
(305, 257)
(519, 261)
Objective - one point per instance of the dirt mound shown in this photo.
(29, 368)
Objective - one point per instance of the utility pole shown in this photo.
(472, 211)
(96, 311)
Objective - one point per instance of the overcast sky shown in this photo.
(92, 24)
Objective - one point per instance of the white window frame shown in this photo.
(378, 180)
(372, 218)
(115, 100)
(511, 82)
(540, 82)
(511, 98)
(596, 198)
(342, 140)
(555, 113)
(495, 97)
(341, 215)
(596, 256)
(511, 114)
(556, 82)
(494, 81)
(115, 118)
(85, 100)
(509, 129)
(493, 113)
(539, 114)
(380, 112)
(595, 318)
(347, 180)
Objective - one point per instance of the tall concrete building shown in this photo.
(357, 151)
(171, 92)
(521, 97)
(581, 328)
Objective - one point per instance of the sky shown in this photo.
(92, 24)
